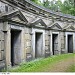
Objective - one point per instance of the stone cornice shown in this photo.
(39, 10)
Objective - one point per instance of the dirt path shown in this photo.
(61, 66)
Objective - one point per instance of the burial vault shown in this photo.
(29, 31)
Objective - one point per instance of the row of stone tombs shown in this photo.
(38, 41)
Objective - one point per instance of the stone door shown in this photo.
(70, 43)
(55, 44)
(38, 45)
(15, 47)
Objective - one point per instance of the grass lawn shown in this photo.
(42, 64)
(71, 68)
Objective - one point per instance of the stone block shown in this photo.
(1, 26)
(46, 47)
(27, 30)
(5, 26)
(62, 45)
(1, 35)
(46, 37)
(27, 37)
(28, 56)
(62, 51)
(28, 49)
(2, 7)
(46, 43)
(62, 36)
(2, 52)
(46, 31)
(56, 52)
(2, 65)
(0, 56)
(62, 41)
(0, 45)
(47, 21)
(28, 43)
(47, 53)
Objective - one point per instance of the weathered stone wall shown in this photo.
(2, 7)
(34, 19)
(47, 43)
(1, 46)
(5, 8)
(28, 43)
(62, 36)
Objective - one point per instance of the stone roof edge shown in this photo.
(50, 11)
(47, 10)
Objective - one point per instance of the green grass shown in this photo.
(41, 65)
(71, 68)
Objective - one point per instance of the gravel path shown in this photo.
(61, 66)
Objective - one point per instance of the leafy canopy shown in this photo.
(67, 7)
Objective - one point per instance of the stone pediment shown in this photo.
(55, 26)
(17, 16)
(39, 23)
(69, 28)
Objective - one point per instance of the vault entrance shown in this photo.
(38, 45)
(55, 44)
(15, 47)
(70, 43)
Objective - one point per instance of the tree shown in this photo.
(46, 3)
(37, 2)
(67, 7)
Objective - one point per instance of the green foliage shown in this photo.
(46, 4)
(37, 2)
(67, 7)
(41, 65)
(55, 5)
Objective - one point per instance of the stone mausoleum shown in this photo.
(29, 31)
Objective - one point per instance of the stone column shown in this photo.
(63, 42)
(49, 43)
(31, 44)
(51, 53)
(74, 43)
(5, 41)
(23, 57)
(59, 43)
(6, 31)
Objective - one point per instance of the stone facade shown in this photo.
(28, 31)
